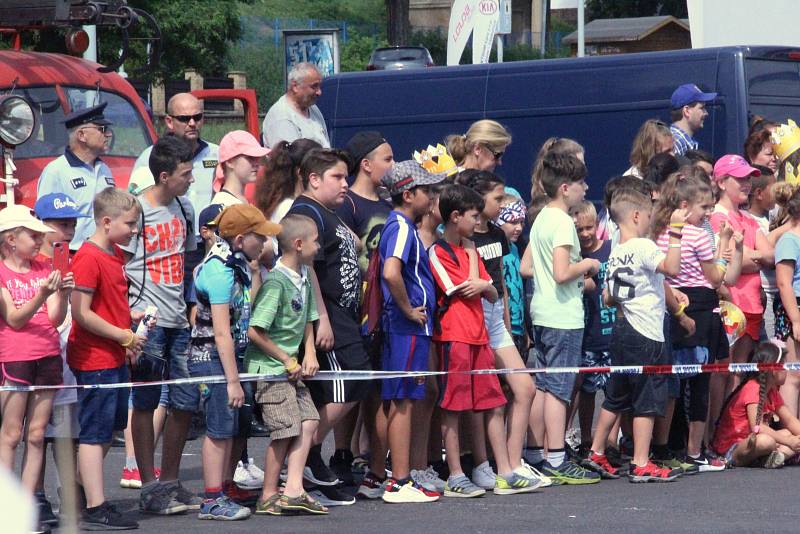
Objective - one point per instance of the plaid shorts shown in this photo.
(284, 406)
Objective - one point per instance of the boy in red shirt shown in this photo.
(101, 344)
(462, 344)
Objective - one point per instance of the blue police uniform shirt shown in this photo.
(80, 181)
(201, 191)
(400, 239)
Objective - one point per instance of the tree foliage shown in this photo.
(615, 9)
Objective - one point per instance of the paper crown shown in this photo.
(436, 160)
(785, 139)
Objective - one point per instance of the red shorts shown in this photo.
(460, 391)
(47, 371)
(753, 326)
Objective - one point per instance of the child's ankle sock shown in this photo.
(130, 463)
(213, 493)
(534, 455)
(555, 457)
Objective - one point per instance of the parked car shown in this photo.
(600, 101)
(400, 58)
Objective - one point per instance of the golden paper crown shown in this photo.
(436, 160)
(790, 174)
(785, 139)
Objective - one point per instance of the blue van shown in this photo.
(599, 101)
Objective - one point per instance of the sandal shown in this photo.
(304, 504)
(271, 506)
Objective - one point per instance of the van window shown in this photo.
(773, 88)
(50, 138)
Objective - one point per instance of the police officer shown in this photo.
(80, 173)
(184, 119)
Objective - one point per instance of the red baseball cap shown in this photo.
(734, 165)
(238, 143)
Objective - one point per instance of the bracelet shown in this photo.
(130, 339)
(721, 261)
(678, 313)
(677, 225)
(294, 365)
(722, 268)
(674, 245)
(676, 235)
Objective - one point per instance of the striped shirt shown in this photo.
(683, 141)
(695, 248)
(399, 239)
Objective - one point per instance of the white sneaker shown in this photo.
(248, 477)
(528, 471)
(483, 476)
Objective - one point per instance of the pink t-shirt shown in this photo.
(38, 338)
(746, 294)
(695, 248)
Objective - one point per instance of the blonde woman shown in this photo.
(482, 147)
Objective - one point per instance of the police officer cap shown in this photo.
(93, 115)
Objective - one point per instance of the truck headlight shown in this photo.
(17, 120)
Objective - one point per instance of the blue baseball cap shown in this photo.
(689, 93)
(57, 206)
(209, 214)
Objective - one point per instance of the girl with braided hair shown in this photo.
(745, 433)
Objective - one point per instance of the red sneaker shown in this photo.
(652, 473)
(131, 478)
(600, 464)
(239, 495)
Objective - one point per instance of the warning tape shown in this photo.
(383, 375)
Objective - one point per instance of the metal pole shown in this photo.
(91, 52)
(543, 33)
(581, 37)
(499, 48)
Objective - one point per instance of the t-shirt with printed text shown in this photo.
(459, 319)
(38, 338)
(515, 289)
(492, 245)
(336, 267)
(599, 317)
(554, 228)
(366, 218)
(102, 274)
(156, 269)
(636, 286)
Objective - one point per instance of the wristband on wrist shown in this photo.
(292, 365)
(677, 225)
(132, 337)
(674, 245)
(679, 311)
(676, 235)
(721, 261)
(722, 268)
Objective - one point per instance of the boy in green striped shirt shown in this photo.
(280, 323)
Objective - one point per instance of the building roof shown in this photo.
(632, 29)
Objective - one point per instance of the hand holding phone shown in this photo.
(61, 257)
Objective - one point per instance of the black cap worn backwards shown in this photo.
(93, 115)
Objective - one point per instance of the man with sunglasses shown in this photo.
(295, 114)
(80, 173)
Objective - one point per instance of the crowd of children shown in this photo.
(426, 264)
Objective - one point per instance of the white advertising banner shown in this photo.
(462, 21)
(486, 20)
(744, 22)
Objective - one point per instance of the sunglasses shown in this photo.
(186, 118)
(496, 155)
(103, 129)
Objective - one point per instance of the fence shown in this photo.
(261, 30)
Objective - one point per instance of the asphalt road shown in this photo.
(740, 500)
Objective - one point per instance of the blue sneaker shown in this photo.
(222, 509)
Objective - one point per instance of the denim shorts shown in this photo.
(558, 347)
(165, 356)
(101, 411)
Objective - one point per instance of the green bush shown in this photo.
(356, 51)
(264, 67)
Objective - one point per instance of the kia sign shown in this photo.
(477, 17)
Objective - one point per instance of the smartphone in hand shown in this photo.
(61, 257)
